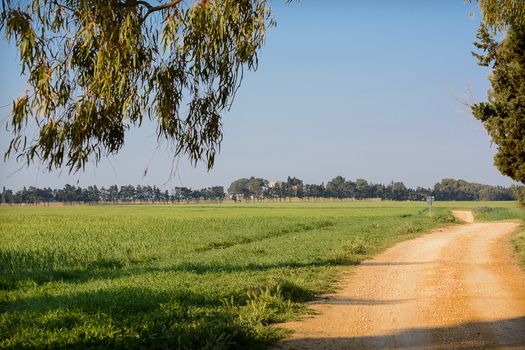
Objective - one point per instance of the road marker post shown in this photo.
(430, 200)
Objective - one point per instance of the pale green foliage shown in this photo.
(519, 192)
(518, 240)
(97, 68)
(499, 14)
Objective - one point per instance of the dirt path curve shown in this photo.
(464, 215)
(454, 288)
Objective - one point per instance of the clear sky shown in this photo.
(362, 89)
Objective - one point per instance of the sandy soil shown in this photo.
(464, 216)
(454, 288)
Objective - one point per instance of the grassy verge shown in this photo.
(487, 211)
(484, 213)
(518, 241)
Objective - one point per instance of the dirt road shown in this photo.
(464, 216)
(455, 288)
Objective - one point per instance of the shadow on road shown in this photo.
(387, 263)
(501, 334)
(353, 301)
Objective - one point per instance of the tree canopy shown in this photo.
(503, 114)
(97, 68)
(499, 14)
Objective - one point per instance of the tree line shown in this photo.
(111, 194)
(340, 188)
(252, 189)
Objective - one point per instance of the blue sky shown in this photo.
(362, 89)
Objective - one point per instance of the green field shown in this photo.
(192, 276)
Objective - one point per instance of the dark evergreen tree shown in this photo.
(503, 114)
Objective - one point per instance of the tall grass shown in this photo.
(181, 277)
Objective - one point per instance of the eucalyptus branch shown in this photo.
(150, 8)
(95, 71)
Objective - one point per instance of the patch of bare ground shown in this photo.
(464, 215)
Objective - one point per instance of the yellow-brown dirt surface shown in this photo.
(454, 288)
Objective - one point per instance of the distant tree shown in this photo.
(104, 194)
(69, 194)
(294, 187)
(187, 194)
(276, 190)
(33, 195)
(127, 193)
(183, 194)
(377, 191)
(348, 189)
(113, 193)
(362, 189)
(493, 193)
(148, 193)
(92, 194)
(157, 194)
(19, 196)
(239, 187)
(257, 186)
(334, 187)
(217, 193)
(314, 191)
(451, 189)
(396, 191)
(8, 196)
(44, 195)
(421, 194)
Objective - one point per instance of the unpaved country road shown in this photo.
(455, 288)
(464, 215)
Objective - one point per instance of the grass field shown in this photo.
(193, 276)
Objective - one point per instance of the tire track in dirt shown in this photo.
(454, 288)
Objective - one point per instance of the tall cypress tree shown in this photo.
(503, 114)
